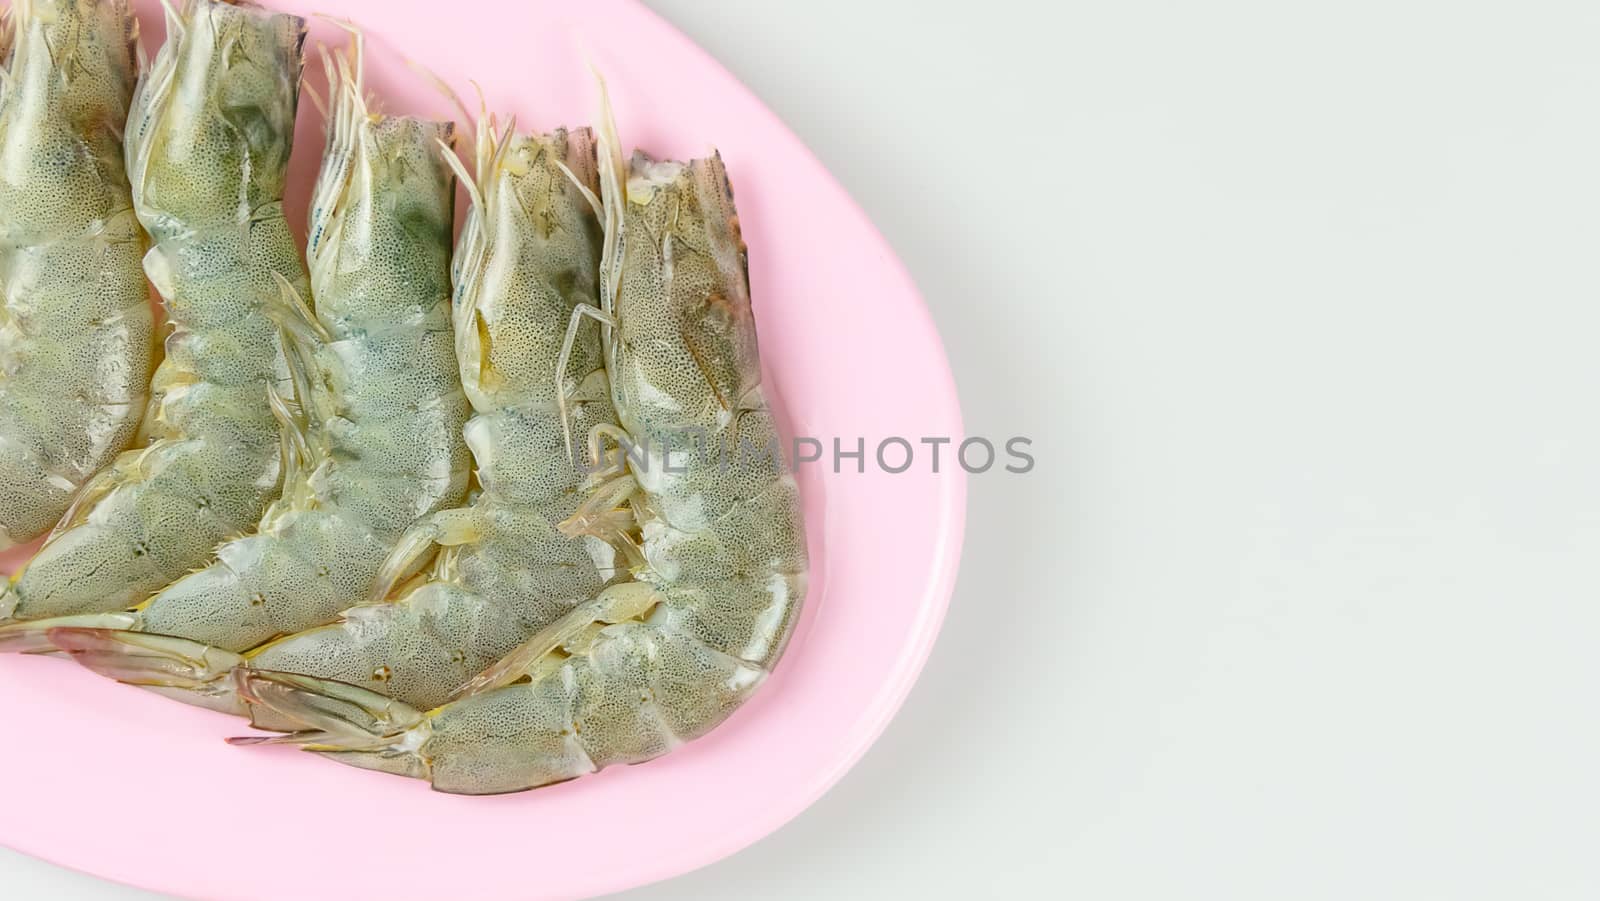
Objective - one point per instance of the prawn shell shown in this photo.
(77, 339)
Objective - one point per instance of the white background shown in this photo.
(1301, 304)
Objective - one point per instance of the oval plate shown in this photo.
(120, 783)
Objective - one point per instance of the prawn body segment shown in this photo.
(76, 333)
(208, 141)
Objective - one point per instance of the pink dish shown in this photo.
(123, 784)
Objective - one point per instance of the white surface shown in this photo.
(1301, 305)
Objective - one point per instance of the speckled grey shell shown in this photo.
(523, 264)
(389, 449)
(726, 543)
(76, 334)
(208, 142)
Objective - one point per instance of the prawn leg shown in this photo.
(33, 636)
(563, 360)
(447, 528)
(142, 659)
(618, 603)
(353, 724)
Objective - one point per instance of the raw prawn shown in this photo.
(381, 445)
(208, 144)
(77, 337)
(649, 664)
(528, 256)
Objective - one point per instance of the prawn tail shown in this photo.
(154, 661)
(33, 636)
(353, 725)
